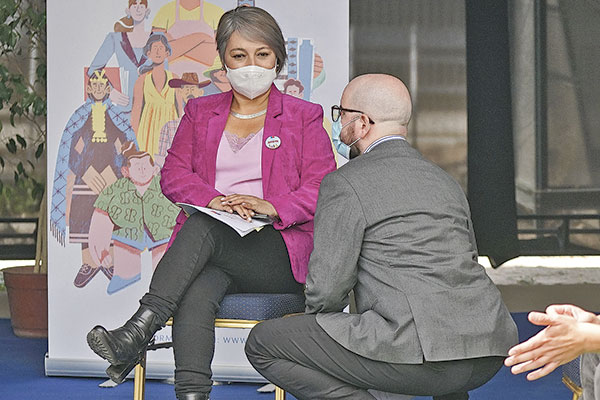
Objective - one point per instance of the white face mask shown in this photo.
(251, 80)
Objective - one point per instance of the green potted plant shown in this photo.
(23, 101)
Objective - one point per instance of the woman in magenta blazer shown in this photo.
(249, 151)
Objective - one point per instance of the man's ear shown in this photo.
(125, 171)
(365, 125)
(365, 120)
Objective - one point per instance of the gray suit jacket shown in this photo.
(396, 228)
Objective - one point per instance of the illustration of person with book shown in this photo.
(88, 161)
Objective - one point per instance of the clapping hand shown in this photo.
(561, 341)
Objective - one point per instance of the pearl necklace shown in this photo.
(248, 116)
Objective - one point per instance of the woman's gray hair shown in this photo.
(254, 24)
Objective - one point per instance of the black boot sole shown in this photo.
(98, 341)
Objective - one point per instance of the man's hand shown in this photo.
(254, 204)
(563, 339)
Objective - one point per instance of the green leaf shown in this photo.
(2, 162)
(11, 146)
(16, 177)
(38, 190)
(21, 141)
(20, 168)
(39, 106)
(31, 164)
(40, 71)
(39, 151)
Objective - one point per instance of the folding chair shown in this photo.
(241, 311)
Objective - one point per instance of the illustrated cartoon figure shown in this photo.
(190, 27)
(126, 43)
(303, 65)
(294, 88)
(153, 98)
(218, 77)
(89, 159)
(187, 88)
(135, 215)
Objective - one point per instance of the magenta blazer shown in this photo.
(291, 174)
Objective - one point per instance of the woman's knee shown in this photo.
(199, 227)
(201, 221)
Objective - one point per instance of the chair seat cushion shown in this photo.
(260, 306)
(572, 371)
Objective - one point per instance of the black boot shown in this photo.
(124, 347)
(192, 396)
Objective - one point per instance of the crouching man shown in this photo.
(396, 229)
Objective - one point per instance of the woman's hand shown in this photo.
(218, 204)
(254, 204)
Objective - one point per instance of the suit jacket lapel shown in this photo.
(214, 132)
(272, 128)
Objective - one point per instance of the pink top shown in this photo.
(238, 168)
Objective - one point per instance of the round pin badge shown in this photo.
(273, 142)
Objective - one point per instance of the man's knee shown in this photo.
(255, 344)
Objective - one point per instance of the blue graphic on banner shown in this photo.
(292, 49)
(305, 67)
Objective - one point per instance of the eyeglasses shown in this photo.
(336, 113)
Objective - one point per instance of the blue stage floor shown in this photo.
(22, 377)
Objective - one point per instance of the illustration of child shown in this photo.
(135, 215)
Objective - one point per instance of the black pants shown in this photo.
(296, 354)
(207, 260)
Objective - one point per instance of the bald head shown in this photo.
(382, 97)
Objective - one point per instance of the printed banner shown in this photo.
(115, 100)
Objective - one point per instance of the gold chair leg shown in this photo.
(279, 393)
(139, 380)
(577, 391)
